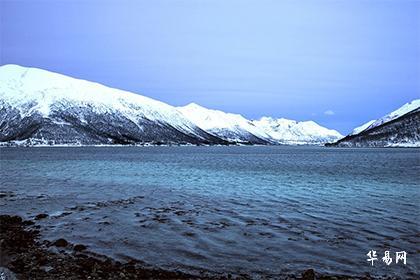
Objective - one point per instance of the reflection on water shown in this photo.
(254, 210)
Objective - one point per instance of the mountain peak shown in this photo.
(19, 71)
(11, 70)
(14, 67)
(193, 105)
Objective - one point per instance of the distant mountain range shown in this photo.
(235, 128)
(400, 128)
(39, 107)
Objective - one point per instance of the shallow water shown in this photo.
(256, 210)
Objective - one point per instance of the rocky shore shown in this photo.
(24, 255)
(30, 258)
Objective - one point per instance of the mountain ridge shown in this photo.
(43, 107)
(400, 128)
(40, 106)
(234, 127)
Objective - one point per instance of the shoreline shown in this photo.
(28, 257)
(3, 146)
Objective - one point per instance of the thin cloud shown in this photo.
(329, 113)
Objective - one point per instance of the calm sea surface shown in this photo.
(256, 210)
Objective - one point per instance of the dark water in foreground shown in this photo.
(256, 210)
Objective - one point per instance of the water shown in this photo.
(263, 211)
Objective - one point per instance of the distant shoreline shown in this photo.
(12, 145)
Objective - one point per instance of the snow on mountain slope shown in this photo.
(20, 85)
(44, 95)
(406, 108)
(403, 131)
(286, 131)
(362, 127)
(400, 128)
(231, 127)
(235, 127)
(42, 105)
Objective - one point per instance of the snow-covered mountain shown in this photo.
(231, 127)
(234, 127)
(406, 108)
(38, 104)
(285, 131)
(399, 128)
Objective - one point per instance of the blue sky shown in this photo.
(340, 63)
